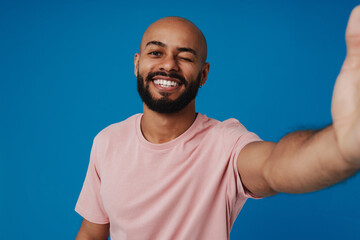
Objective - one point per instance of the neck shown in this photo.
(161, 128)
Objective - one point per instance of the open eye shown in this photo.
(155, 53)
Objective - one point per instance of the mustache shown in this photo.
(171, 75)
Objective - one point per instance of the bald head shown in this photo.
(187, 33)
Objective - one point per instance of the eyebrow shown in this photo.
(181, 49)
(158, 43)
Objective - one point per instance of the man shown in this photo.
(172, 173)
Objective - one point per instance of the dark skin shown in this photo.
(301, 162)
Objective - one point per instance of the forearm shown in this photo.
(306, 161)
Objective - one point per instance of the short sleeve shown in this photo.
(89, 204)
(236, 137)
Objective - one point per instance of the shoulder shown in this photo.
(230, 128)
(118, 130)
(229, 132)
(214, 124)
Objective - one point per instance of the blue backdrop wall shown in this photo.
(66, 72)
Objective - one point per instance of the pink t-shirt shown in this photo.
(188, 188)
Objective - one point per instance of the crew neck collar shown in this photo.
(169, 144)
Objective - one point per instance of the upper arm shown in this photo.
(89, 231)
(250, 165)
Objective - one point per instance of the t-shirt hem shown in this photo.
(91, 217)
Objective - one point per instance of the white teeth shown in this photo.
(165, 83)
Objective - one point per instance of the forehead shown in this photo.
(173, 33)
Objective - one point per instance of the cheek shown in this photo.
(146, 67)
(190, 73)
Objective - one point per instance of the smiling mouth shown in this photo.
(166, 83)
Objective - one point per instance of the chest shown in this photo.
(142, 185)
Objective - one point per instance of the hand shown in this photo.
(345, 107)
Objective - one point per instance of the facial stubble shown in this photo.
(165, 104)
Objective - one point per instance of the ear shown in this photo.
(204, 73)
(136, 63)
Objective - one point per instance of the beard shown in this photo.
(164, 104)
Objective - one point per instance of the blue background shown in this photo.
(66, 72)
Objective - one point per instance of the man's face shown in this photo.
(170, 67)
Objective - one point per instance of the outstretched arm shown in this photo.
(307, 161)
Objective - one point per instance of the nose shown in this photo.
(169, 64)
